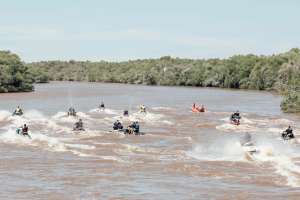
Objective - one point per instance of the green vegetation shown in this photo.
(279, 73)
(14, 76)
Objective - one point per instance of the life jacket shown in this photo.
(194, 105)
(25, 129)
(102, 105)
(137, 126)
(143, 108)
(125, 112)
(18, 110)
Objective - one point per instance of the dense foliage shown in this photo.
(14, 75)
(279, 73)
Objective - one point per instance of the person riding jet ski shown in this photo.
(202, 109)
(18, 111)
(245, 139)
(126, 113)
(288, 133)
(102, 106)
(237, 114)
(72, 112)
(137, 127)
(79, 126)
(143, 109)
(25, 131)
(117, 125)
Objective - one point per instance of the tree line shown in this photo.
(14, 74)
(273, 73)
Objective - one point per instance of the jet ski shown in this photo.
(249, 148)
(125, 115)
(235, 122)
(25, 134)
(18, 113)
(102, 108)
(118, 128)
(197, 109)
(72, 113)
(78, 129)
(285, 137)
(126, 131)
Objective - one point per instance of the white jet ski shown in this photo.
(248, 147)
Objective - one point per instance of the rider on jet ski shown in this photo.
(125, 113)
(288, 132)
(202, 109)
(79, 125)
(18, 110)
(72, 112)
(117, 125)
(102, 105)
(245, 139)
(143, 109)
(25, 131)
(237, 114)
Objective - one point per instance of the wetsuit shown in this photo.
(25, 132)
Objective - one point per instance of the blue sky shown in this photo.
(128, 30)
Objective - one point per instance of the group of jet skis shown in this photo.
(132, 129)
(245, 142)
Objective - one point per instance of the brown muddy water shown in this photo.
(183, 155)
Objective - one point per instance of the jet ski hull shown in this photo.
(18, 114)
(249, 149)
(288, 138)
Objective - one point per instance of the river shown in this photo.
(183, 155)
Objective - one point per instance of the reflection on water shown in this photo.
(183, 155)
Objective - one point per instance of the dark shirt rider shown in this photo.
(79, 124)
(289, 132)
(117, 123)
(102, 105)
(237, 113)
(125, 112)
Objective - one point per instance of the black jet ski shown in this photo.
(287, 137)
(18, 113)
(118, 128)
(126, 131)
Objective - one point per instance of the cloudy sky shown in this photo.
(121, 30)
